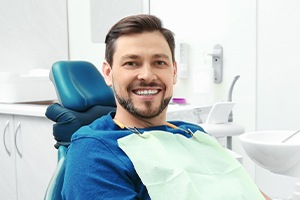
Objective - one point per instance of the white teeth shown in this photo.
(146, 92)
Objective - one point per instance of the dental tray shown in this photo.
(35, 86)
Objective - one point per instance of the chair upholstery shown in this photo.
(68, 121)
(83, 97)
(79, 85)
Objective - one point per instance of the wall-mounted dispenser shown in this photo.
(181, 56)
(217, 63)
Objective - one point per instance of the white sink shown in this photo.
(266, 149)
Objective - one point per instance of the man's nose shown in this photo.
(147, 73)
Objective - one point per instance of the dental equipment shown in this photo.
(286, 139)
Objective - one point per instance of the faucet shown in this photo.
(230, 118)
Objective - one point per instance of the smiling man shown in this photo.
(140, 67)
(142, 76)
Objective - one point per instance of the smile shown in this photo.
(146, 92)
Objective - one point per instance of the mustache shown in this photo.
(145, 84)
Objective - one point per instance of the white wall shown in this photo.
(33, 34)
(80, 42)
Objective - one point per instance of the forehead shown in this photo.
(142, 43)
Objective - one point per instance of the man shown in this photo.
(141, 68)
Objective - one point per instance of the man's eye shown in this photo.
(131, 64)
(160, 63)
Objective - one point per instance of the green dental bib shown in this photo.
(172, 166)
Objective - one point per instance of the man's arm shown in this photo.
(94, 172)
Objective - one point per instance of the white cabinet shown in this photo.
(7, 159)
(27, 156)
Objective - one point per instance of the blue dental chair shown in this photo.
(83, 97)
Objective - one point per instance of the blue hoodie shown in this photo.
(96, 168)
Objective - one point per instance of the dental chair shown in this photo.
(83, 96)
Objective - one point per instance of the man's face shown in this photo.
(142, 74)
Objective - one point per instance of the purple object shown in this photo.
(179, 100)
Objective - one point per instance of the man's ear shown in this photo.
(175, 73)
(107, 73)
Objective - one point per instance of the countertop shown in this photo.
(28, 109)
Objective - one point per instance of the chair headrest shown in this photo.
(68, 121)
(79, 85)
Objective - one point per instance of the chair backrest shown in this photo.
(54, 188)
(83, 97)
(79, 85)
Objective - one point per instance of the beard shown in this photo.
(149, 112)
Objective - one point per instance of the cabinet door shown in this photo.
(36, 156)
(8, 188)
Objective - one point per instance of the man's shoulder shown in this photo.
(101, 124)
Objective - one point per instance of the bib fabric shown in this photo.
(173, 166)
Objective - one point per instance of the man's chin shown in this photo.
(145, 109)
(146, 114)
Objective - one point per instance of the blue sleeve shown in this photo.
(94, 171)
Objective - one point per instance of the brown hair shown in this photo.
(136, 24)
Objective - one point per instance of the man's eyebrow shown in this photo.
(161, 55)
(129, 56)
(134, 56)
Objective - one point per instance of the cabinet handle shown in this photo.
(16, 133)
(4, 138)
